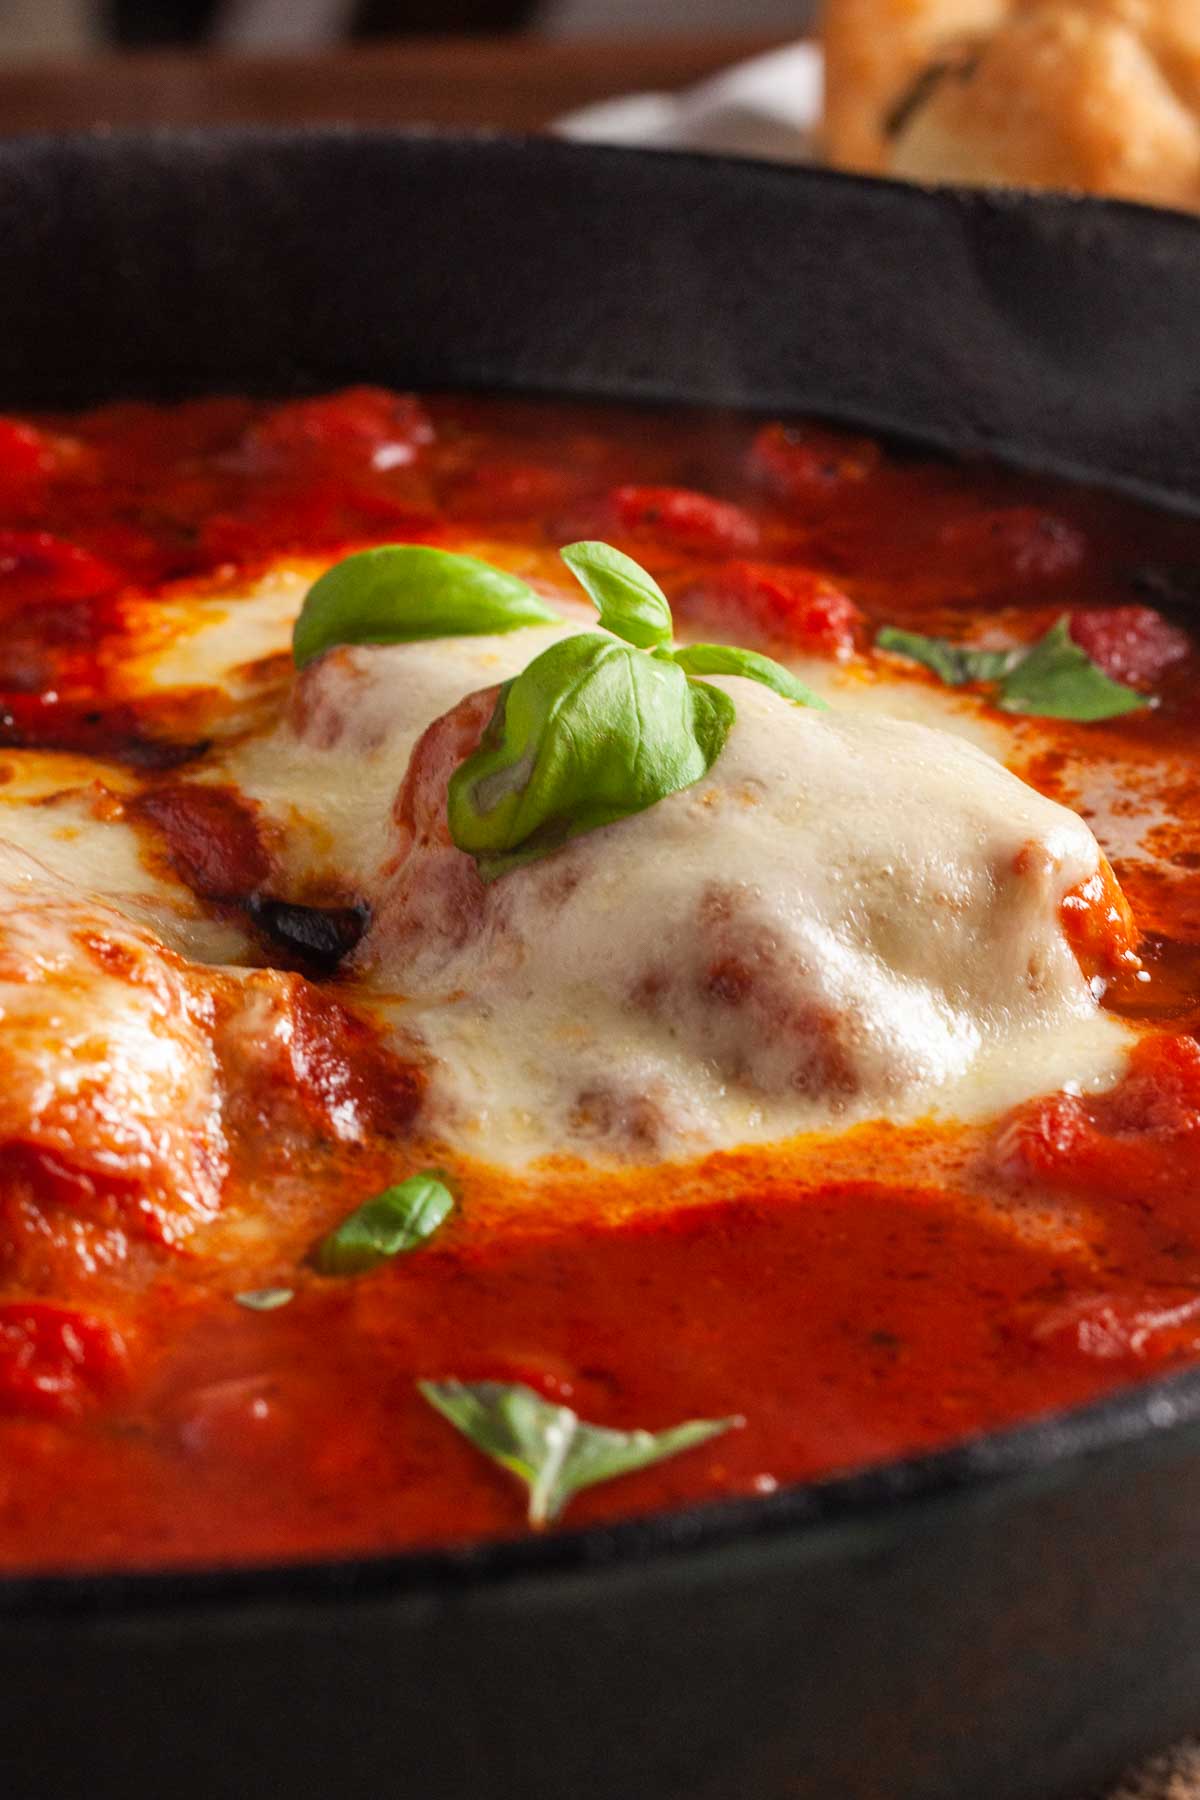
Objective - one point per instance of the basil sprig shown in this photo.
(391, 1223)
(549, 1447)
(727, 659)
(591, 732)
(1053, 679)
(633, 607)
(630, 602)
(400, 593)
(596, 730)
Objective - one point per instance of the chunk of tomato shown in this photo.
(1140, 1141)
(54, 1361)
(361, 425)
(213, 838)
(1004, 544)
(322, 514)
(774, 602)
(1133, 644)
(807, 464)
(26, 459)
(680, 518)
(36, 567)
(502, 487)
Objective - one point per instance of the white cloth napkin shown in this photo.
(769, 106)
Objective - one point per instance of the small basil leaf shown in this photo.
(630, 603)
(265, 1299)
(400, 593)
(549, 1447)
(726, 659)
(1055, 679)
(1058, 680)
(395, 1221)
(954, 664)
(591, 732)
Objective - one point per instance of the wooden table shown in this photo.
(516, 83)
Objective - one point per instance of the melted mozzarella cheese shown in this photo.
(216, 638)
(855, 915)
(106, 1060)
(849, 917)
(328, 773)
(884, 687)
(68, 813)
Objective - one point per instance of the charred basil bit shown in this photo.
(957, 63)
(157, 756)
(318, 935)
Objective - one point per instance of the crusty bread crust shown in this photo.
(874, 50)
(1095, 95)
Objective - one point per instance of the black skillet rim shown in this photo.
(1139, 1414)
(1084, 211)
(1143, 1414)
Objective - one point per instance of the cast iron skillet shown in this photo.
(1014, 1617)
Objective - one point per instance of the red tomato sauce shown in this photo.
(848, 1304)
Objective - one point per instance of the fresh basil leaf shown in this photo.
(591, 732)
(1059, 680)
(630, 602)
(265, 1299)
(549, 1447)
(1055, 679)
(395, 1221)
(726, 659)
(952, 663)
(400, 593)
